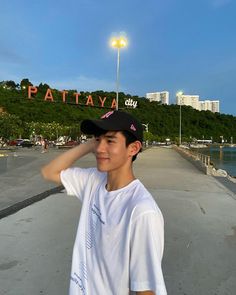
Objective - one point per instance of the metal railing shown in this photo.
(205, 159)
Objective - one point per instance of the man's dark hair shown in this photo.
(129, 138)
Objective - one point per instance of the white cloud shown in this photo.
(7, 55)
(83, 83)
(6, 75)
(80, 83)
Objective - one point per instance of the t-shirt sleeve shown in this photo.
(147, 243)
(75, 179)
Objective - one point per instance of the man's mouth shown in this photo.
(99, 158)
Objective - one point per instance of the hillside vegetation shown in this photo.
(19, 114)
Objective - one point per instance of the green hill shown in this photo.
(162, 120)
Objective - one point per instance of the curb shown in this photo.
(227, 183)
(197, 163)
(20, 205)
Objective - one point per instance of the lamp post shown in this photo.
(179, 94)
(118, 42)
(146, 126)
(146, 129)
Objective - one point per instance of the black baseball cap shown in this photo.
(114, 121)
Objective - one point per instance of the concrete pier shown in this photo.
(200, 229)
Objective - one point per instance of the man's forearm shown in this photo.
(52, 170)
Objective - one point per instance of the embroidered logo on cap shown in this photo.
(132, 127)
(107, 115)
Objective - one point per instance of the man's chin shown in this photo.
(102, 169)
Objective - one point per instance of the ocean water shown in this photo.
(223, 158)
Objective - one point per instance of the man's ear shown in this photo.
(135, 147)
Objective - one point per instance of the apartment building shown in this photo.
(194, 102)
(210, 105)
(188, 100)
(162, 97)
(215, 106)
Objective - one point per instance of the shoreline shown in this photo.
(192, 156)
(215, 160)
(215, 164)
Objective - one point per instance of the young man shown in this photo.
(120, 238)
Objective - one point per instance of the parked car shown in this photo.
(71, 143)
(68, 144)
(14, 142)
(25, 143)
(59, 143)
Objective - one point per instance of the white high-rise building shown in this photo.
(201, 106)
(188, 100)
(210, 105)
(215, 104)
(193, 101)
(162, 96)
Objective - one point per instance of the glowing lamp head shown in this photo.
(179, 93)
(114, 43)
(122, 42)
(118, 42)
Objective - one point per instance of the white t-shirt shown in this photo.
(120, 237)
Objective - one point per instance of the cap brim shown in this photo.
(94, 126)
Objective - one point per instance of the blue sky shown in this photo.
(173, 45)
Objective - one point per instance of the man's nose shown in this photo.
(100, 146)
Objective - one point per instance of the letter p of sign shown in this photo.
(32, 89)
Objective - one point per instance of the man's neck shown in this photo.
(119, 180)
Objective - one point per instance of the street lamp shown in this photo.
(146, 126)
(179, 94)
(118, 42)
(146, 129)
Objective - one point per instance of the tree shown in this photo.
(9, 84)
(10, 126)
(163, 119)
(25, 83)
(43, 88)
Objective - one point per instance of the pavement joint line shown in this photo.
(29, 201)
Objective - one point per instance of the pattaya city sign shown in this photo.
(89, 102)
(131, 103)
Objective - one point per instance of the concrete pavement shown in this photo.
(200, 225)
(200, 233)
(20, 178)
